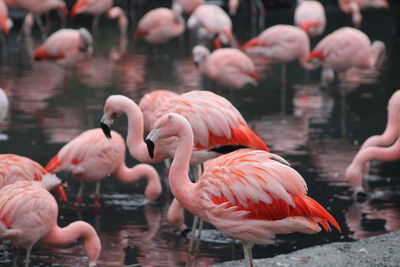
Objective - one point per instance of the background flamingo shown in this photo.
(5, 21)
(3, 105)
(354, 7)
(14, 168)
(310, 16)
(28, 214)
(66, 46)
(91, 157)
(161, 25)
(227, 66)
(189, 6)
(99, 7)
(249, 194)
(257, 6)
(212, 23)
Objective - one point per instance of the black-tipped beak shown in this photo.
(106, 130)
(150, 148)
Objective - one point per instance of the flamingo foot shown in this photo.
(79, 201)
(97, 201)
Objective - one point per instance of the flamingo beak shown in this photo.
(315, 55)
(78, 5)
(4, 25)
(251, 42)
(60, 191)
(105, 125)
(151, 139)
(150, 148)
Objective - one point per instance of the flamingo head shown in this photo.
(309, 27)
(233, 6)
(167, 126)
(255, 42)
(379, 4)
(4, 24)
(200, 54)
(87, 40)
(78, 7)
(177, 9)
(315, 57)
(112, 110)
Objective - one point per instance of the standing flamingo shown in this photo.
(3, 105)
(189, 6)
(354, 7)
(212, 23)
(66, 46)
(310, 16)
(385, 147)
(91, 157)
(346, 48)
(249, 194)
(16, 168)
(227, 66)
(5, 22)
(28, 214)
(99, 7)
(160, 25)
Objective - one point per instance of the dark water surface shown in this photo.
(318, 130)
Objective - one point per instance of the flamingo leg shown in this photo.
(95, 24)
(41, 26)
(253, 17)
(261, 14)
(283, 89)
(28, 255)
(97, 195)
(248, 254)
(79, 196)
(197, 222)
(63, 21)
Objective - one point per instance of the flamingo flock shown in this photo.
(239, 186)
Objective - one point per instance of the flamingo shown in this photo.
(99, 7)
(35, 8)
(310, 16)
(149, 103)
(5, 21)
(227, 66)
(28, 214)
(189, 6)
(3, 105)
(250, 195)
(257, 6)
(212, 22)
(346, 48)
(16, 168)
(385, 147)
(354, 7)
(66, 46)
(91, 157)
(217, 125)
(160, 25)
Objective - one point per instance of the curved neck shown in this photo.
(129, 175)
(137, 147)
(117, 12)
(70, 233)
(377, 51)
(181, 186)
(378, 153)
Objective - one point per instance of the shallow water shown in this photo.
(318, 130)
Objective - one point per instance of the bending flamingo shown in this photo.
(354, 7)
(28, 214)
(227, 66)
(346, 48)
(91, 157)
(385, 147)
(14, 168)
(310, 16)
(66, 46)
(99, 7)
(212, 23)
(249, 194)
(160, 25)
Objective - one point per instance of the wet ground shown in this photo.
(318, 130)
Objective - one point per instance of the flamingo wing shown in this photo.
(263, 190)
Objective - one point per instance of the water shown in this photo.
(317, 130)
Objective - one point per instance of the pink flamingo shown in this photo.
(189, 6)
(310, 16)
(66, 46)
(160, 25)
(385, 147)
(228, 66)
(217, 125)
(28, 214)
(16, 168)
(3, 105)
(346, 48)
(5, 22)
(354, 7)
(212, 22)
(99, 7)
(91, 157)
(249, 194)
(149, 103)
